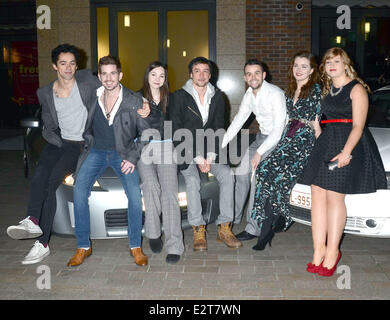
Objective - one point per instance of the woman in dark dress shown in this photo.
(344, 139)
(277, 173)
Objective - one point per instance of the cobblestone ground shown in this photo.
(221, 273)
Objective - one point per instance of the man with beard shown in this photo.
(268, 103)
(111, 130)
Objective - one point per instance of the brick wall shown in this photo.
(275, 31)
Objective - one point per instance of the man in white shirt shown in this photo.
(268, 103)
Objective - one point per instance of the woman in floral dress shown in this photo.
(277, 174)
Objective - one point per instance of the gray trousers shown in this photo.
(244, 185)
(158, 172)
(225, 178)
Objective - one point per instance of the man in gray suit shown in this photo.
(65, 103)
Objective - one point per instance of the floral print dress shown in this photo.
(277, 174)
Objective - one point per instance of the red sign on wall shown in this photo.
(24, 56)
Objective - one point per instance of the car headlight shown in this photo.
(69, 181)
(182, 197)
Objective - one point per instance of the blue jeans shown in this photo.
(93, 166)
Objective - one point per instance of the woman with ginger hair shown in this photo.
(277, 174)
(347, 143)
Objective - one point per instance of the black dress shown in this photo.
(365, 172)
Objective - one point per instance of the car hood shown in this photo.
(109, 181)
(382, 139)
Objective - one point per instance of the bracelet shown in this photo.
(350, 156)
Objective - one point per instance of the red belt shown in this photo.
(336, 120)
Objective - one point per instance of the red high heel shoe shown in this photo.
(325, 272)
(312, 268)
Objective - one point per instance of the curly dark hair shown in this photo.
(64, 48)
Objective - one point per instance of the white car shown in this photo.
(367, 214)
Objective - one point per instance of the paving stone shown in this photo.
(220, 273)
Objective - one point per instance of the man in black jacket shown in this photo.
(198, 107)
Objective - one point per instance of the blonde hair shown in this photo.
(349, 69)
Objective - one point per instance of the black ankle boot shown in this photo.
(172, 258)
(156, 245)
(262, 242)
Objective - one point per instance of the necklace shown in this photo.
(108, 113)
(338, 90)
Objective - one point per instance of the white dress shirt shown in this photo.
(269, 107)
(118, 102)
(204, 110)
(205, 107)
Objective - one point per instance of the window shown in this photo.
(143, 31)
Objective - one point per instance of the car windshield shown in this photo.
(379, 111)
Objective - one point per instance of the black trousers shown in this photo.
(53, 166)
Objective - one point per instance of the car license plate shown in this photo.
(300, 199)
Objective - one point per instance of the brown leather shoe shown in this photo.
(79, 257)
(226, 235)
(200, 243)
(139, 257)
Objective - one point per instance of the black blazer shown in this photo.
(184, 113)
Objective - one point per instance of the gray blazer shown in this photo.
(128, 125)
(87, 84)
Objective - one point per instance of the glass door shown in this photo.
(139, 33)
(137, 44)
(187, 39)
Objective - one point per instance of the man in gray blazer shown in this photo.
(111, 130)
(65, 104)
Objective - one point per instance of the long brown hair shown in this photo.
(349, 69)
(313, 79)
(164, 89)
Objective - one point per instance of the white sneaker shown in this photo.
(26, 229)
(37, 253)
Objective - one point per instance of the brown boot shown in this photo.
(79, 257)
(139, 257)
(225, 235)
(200, 243)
